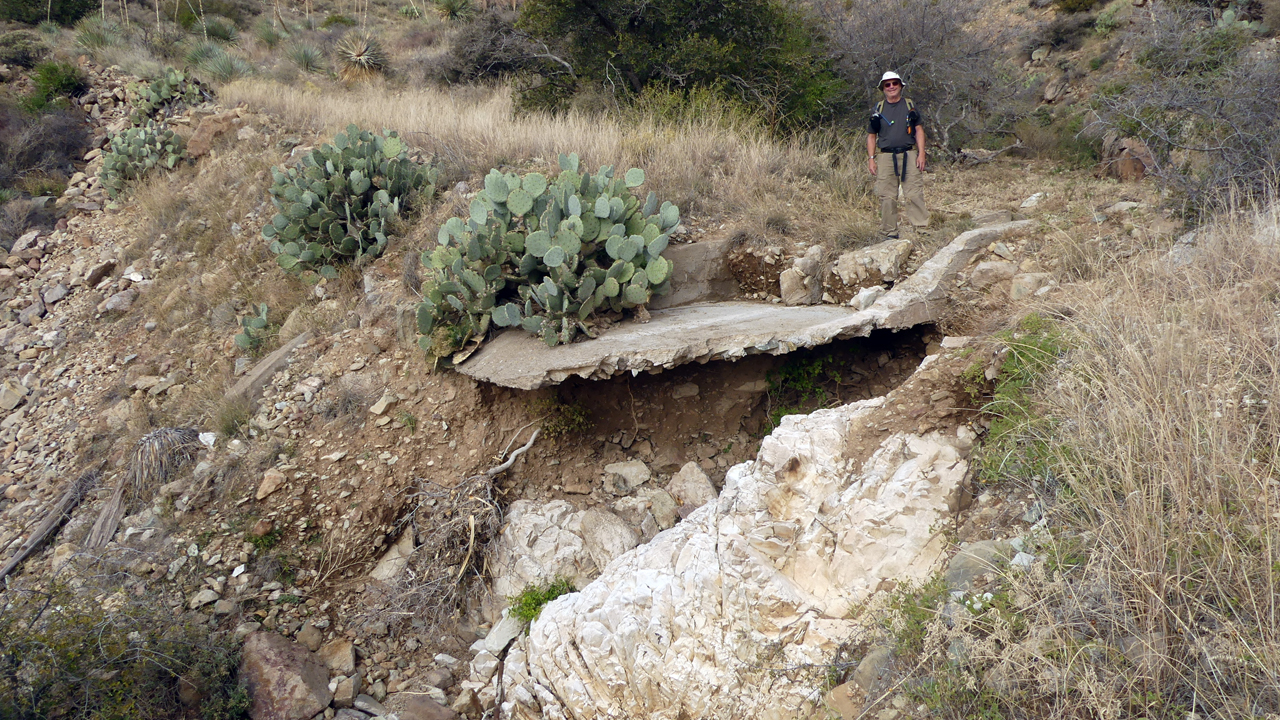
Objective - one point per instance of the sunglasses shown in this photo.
(892, 83)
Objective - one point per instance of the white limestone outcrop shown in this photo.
(692, 623)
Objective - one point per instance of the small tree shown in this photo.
(768, 53)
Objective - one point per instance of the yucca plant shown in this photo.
(204, 52)
(48, 28)
(268, 34)
(360, 57)
(308, 58)
(226, 67)
(95, 34)
(456, 10)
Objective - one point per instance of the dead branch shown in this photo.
(57, 515)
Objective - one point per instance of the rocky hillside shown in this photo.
(828, 476)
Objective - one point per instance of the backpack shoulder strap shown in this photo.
(879, 107)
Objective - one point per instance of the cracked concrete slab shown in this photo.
(702, 332)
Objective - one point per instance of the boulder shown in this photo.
(209, 129)
(285, 680)
(338, 655)
(421, 708)
(991, 272)
(622, 478)
(539, 543)
(874, 265)
(272, 480)
(1027, 284)
(605, 536)
(691, 486)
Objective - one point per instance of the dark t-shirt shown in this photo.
(893, 126)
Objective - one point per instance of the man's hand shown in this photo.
(871, 164)
(919, 162)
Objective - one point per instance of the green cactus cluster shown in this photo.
(134, 152)
(335, 204)
(1231, 20)
(171, 89)
(545, 256)
(250, 339)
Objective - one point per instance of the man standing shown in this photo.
(895, 146)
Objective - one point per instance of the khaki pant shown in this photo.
(887, 190)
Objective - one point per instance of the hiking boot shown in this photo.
(891, 235)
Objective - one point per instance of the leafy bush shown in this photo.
(336, 19)
(30, 12)
(141, 662)
(166, 95)
(22, 48)
(1075, 6)
(335, 204)
(53, 80)
(765, 52)
(134, 152)
(545, 256)
(528, 603)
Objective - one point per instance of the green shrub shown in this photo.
(22, 48)
(30, 12)
(166, 94)
(63, 655)
(1109, 20)
(268, 34)
(1015, 446)
(528, 603)
(53, 80)
(767, 53)
(411, 12)
(335, 204)
(336, 19)
(1075, 6)
(134, 152)
(204, 52)
(545, 256)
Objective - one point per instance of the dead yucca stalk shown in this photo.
(156, 457)
(360, 57)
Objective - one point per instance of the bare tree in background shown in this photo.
(956, 75)
(1202, 97)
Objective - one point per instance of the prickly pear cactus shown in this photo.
(335, 204)
(164, 95)
(134, 152)
(545, 255)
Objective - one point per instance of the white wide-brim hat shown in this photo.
(891, 75)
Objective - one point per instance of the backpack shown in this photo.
(913, 117)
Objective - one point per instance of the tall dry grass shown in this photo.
(708, 164)
(1158, 591)
(1167, 429)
